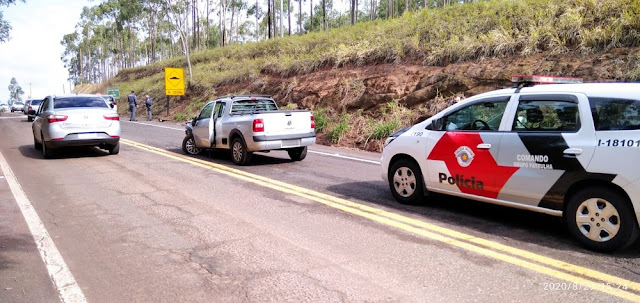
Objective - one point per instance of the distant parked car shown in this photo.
(17, 106)
(33, 105)
(75, 120)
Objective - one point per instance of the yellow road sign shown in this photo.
(174, 81)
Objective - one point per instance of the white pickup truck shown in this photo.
(247, 124)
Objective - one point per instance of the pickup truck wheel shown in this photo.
(405, 181)
(239, 153)
(189, 146)
(601, 219)
(298, 153)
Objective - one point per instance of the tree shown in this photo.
(176, 9)
(15, 91)
(5, 27)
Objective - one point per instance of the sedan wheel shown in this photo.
(47, 153)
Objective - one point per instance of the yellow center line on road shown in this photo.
(604, 282)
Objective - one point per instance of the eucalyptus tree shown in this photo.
(5, 27)
(175, 10)
(15, 91)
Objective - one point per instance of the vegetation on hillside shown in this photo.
(436, 37)
(471, 31)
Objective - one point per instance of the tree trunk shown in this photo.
(269, 19)
(311, 18)
(406, 6)
(223, 27)
(289, 14)
(233, 13)
(353, 9)
(299, 17)
(324, 15)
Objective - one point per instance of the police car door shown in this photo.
(202, 128)
(550, 143)
(462, 159)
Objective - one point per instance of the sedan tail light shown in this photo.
(313, 122)
(258, 125)
(113, 117)
(56, 118)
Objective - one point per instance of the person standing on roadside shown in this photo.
(133, 102)
(147, 103)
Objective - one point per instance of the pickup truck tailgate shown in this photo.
(287, 123)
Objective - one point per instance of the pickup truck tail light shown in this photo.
(113, 117)
(56, 118)
(313, 123)
(258, 125)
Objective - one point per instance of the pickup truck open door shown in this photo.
(204, 128)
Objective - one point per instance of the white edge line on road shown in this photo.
(311, 151)
(63, 280)
(344, 157)
(11, 117)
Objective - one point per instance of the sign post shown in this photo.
(173, 83)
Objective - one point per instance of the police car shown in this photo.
(566, 149)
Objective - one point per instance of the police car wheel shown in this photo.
(405, 181)
(601, 219)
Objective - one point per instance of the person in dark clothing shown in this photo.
(147, 103)
(133, 103)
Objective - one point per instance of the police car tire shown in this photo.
(418, 191)
(628, 232)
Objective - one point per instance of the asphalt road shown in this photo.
(154, 225)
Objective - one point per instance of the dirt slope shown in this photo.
(426, 89)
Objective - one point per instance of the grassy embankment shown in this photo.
(434, 37)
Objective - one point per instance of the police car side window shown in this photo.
(615, 114)
(482, 116)
(549, 116)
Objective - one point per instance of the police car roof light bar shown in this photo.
(530, 80)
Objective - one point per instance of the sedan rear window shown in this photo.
(73, 102)
(35, 102)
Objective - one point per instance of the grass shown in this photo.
(439, 36)
(338, 130)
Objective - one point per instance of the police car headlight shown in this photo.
(396, 135)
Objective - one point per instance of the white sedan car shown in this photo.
(75, 120)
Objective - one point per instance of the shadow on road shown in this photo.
(224, 157)
(64, 153)
(500, 221)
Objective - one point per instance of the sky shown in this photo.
(33, 54)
